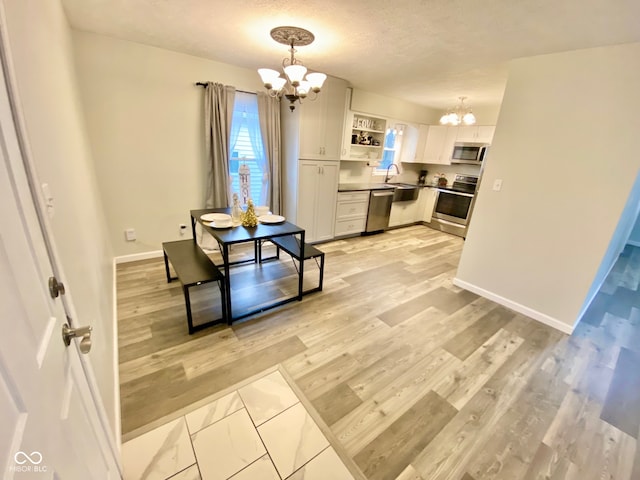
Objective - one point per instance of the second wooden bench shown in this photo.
(291, 245)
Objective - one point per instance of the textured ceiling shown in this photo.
(425, 51)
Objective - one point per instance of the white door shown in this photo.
(325, 214)
(51, 427)
(308, 173)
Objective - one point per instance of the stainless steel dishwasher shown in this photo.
(379, 210)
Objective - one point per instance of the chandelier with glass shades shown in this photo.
(458, 114)
(295, 85)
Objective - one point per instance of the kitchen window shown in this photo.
(391, 148)
(248, 159)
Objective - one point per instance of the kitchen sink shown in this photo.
(404, 192)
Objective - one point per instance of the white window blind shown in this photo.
(247, 149)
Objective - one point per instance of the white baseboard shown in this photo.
(134, 257)
(529, 312)
(116, 366)
(633, 242)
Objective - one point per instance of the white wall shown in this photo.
(145, 123)
(567, 124)
(41, 52)
(375, 104)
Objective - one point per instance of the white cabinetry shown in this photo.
(404, 213)
(423, 131)
(351, 212)
(409, 146)
(439, 144)
(435, 142)
(363, 137)
(317, 188)
(475, 133)
(321, 122)
(311, 143)
(429, 196)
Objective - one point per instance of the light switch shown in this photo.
(497, 184)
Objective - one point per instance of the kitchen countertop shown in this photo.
(354, 187)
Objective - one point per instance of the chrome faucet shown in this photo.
(387, 176)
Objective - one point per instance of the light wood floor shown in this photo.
(417, 378)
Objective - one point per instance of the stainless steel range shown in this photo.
(454, 204)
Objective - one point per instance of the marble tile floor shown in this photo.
(259, 430)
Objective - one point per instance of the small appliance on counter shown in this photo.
(439, 180)
(422, 178)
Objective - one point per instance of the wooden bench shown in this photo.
(291, 245)
(193, 267)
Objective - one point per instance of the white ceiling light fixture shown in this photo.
(294, 86)
(461, 113)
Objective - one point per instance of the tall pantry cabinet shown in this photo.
(311, 145)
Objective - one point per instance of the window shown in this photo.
(247, 152)
(391, 148)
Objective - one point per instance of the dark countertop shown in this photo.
(354, 187)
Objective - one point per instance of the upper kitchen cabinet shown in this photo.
(476, 133)
(321, 122)
(418, 157)
(409, 145)
(363, 137)
(439, 144)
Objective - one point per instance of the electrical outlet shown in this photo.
(182, 228)
(497, 184)
(130, 234)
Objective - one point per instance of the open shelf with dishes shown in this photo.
(363, 137)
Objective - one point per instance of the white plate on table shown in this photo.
(220, 224)
(213, 217)
(271, 218)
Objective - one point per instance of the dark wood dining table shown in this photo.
(240, 234)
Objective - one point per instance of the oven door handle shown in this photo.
(456, 193)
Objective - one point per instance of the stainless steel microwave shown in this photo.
(470, 153)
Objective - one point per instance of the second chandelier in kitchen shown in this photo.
(295, 85)
(461, 113)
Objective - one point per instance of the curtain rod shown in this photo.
(204, 85)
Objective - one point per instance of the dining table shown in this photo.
(226, 237)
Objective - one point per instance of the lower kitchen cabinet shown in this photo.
(350, 226)
(404, 213)
(317, 188)
(428, 200)
(351, 212)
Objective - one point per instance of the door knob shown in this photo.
(83, 333)
(55, 288)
